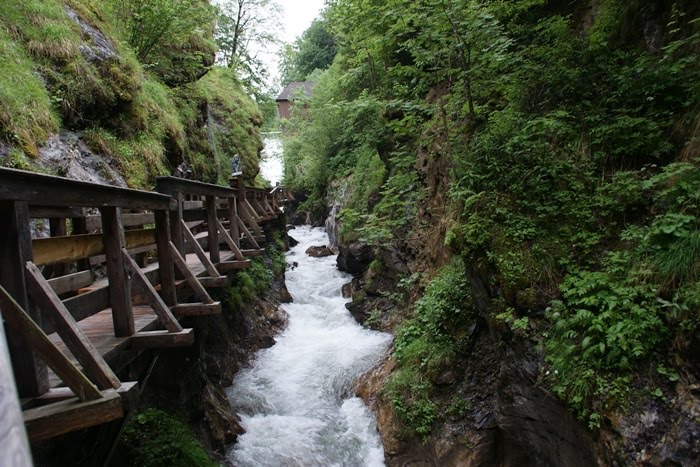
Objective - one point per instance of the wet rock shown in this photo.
(66, 155)
(97, 47)
(292, 241)
(319, 251)
(347, 290)
(332, 227)
(285, 296)
(354, 258)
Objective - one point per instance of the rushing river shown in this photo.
(296, 402)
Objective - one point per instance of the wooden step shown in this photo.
(161, 339)
(213, 282)
(232, 265)
(197, 309)
(70, 415)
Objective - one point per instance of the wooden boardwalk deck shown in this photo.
(70, 335)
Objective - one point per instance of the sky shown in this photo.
(297, 16)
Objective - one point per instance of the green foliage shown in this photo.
(314, 50)
(153, 25)
(428, 343)
(569, 153)
(154, 438)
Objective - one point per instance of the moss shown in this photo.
(26, 116)
(155, 438)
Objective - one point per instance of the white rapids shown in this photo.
(295, 401)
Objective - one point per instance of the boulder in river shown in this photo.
(319, 251)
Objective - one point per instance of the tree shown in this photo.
(155, 23)
(245, 30)
(314, 50)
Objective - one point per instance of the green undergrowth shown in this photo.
(154, 438)
(148, 112)
(563, 155)
(432, 341)
(257, 280)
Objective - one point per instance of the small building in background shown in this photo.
(293, 91)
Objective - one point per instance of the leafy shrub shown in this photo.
(427, 344)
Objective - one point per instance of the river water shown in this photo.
(296, 402)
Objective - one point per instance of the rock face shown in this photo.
(68, 156)
(354, 258)
(319, 251)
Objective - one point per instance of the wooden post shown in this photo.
(14, 448)
(210, 206)
(80, 227)
(31, 374)
(176, 235)
(57, 227)
(119, 282)
(165, 261)
(233, 221)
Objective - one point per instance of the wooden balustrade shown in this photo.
(170, 245)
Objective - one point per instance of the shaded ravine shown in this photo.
(295, 401)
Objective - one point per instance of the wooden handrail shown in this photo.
(172, 185)
(48, 190)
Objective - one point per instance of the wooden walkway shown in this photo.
(119, 270)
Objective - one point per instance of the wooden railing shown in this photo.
(167, 246)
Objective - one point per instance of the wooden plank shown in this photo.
(71, 415)
(71, 282)
(88, 303)
(14, 448)
(191, 279)
(176, 224)
(129, 220)
(232, 265)
(128, 391)
(48, 190)
(208, 265)
(47, 212)
(253, 253)
(229, 241)
(31, 374)
(64, 249)
(212, 221)
(74, 338)
(197, 309)
(213, 282)
(165, 261)
(119, 283)
(159, 307)
(161, 339)
(20, 322)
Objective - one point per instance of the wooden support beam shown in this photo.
(14, 448)
(229, 241)
(71, 282)
(197, 309)
(212, 222)
(75, 339)
(247, 233)
(20, 322)
(88, 303)
(252, 217)
(71, 415)
(165, 261)
(159, 307)
(119, 282)
(31, 374)
(161, 339)
(191, 279)
(176, 224)
(128, 391)
(206, 262)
